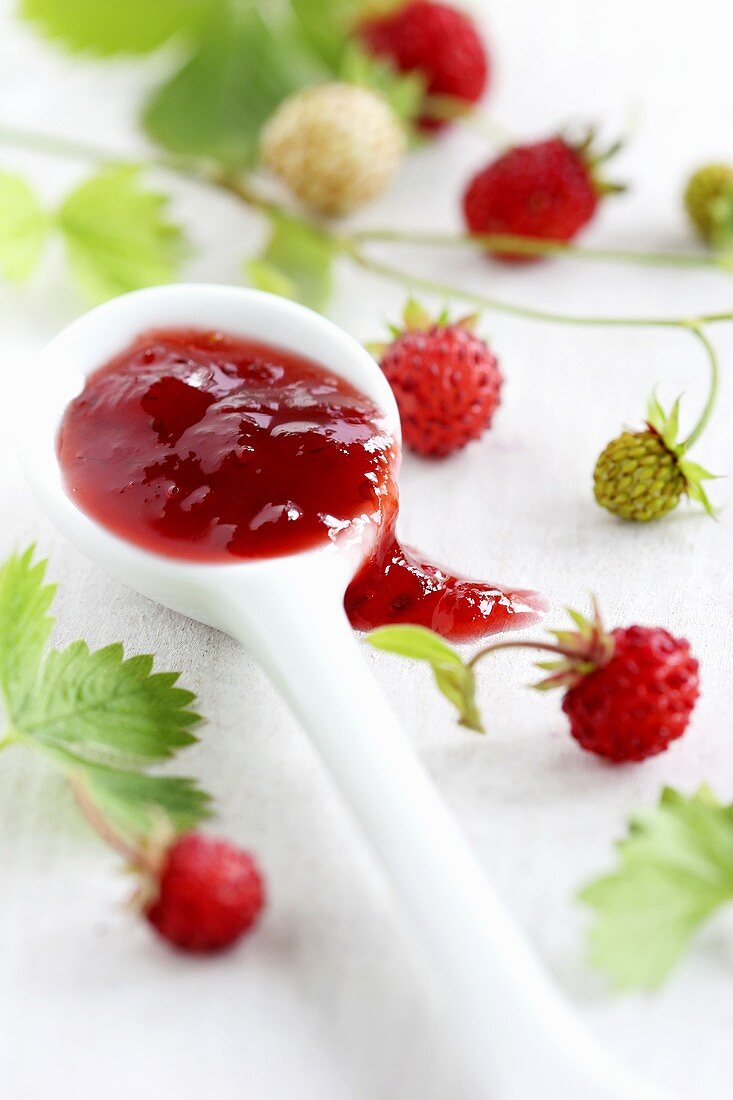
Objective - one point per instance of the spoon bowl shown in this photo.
(521, 1039)
(103, 332)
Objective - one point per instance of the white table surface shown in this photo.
(330, 998)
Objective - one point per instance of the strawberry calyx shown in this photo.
(580, 651)
(666, 426)
(416, 318)
(144, 856)
(596, 158)
(576, 653)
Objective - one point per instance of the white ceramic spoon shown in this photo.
(522, 1040)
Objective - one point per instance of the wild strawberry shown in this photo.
(336, 146)
(637, 698)
(628, 693)
(437, 41)
(643, 475)
(207, 893)
(445, 379)
(547, 191)
(709, 203)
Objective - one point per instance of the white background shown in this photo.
(330, 998)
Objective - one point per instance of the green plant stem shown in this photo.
(71, 148)
(445, 290)
(452, 109)
(528, 246)
(53, 145)
(137, 857)
(546, 647)
(713, 393)
(241, 189)
(350, 246)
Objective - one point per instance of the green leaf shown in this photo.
(216, 104)
(97, 716)
(325, 26)
(134, 802)
(296, 263)
(117, 234)
(23, 228)
(105, 27)
(676, 868)
(453, 676)
(105, 707)
(25, 626)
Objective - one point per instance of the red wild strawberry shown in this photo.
(547, 191)
(437, 41)
(637, 702)
(207, 894)
(445, 379)
(629, 693)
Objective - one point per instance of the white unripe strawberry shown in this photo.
(336, 146)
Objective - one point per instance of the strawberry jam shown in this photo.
(397, 585)
(214, 448)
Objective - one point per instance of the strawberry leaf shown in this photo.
(93, 714)
(104, 27)
(117, 234)
(134, 802)
(325, 26)
(676, 869)
(216, 104)
(25, 626)
(108, 708)
(453, 676)
(296, 263)
(23, 228)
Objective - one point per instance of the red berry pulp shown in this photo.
(214, 448)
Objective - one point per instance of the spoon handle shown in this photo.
(520, 1036)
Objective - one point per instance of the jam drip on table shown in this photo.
(398, 585)
(213, 448)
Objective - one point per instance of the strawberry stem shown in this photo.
(546, 647)
(445, 290)
(713, 393)
(53, 145)
(452, 109)
(532, 246)
(136, 857)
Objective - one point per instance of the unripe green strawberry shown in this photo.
(336, 146)
(709, 203)
(642, 475)
(637, 477)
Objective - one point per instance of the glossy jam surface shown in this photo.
(213, 448)
(398, 585)
(210, 447)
